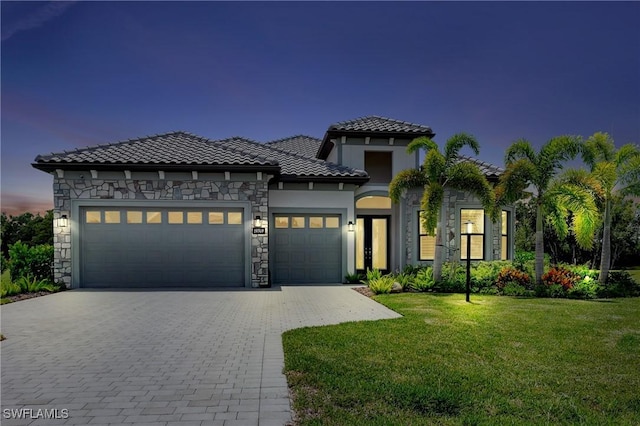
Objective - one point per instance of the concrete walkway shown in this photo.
(161, 357)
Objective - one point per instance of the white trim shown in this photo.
(94, 174)
(194, 174)
(344, 139)
(160, 174)
(391, 140)
(259, 175)
(60, 173)
(127, 174)
(280, 185)
(310, 185)
(367, 140)
(227, 175)
(340, 186)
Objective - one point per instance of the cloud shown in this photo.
(16, 204)
(40, 16)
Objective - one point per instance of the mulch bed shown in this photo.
(25, 296)
(365, 291)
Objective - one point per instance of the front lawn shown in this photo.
(499, 360)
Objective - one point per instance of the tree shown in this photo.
(525, 167)
(616, 171)
(442, 170)
(31, 230)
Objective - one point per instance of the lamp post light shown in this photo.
(469, 231)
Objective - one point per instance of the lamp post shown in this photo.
(469, 230)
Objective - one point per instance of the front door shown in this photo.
(372, 243)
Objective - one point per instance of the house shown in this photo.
(180, 210)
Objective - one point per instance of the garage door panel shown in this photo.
(162, 254)
(304, 254)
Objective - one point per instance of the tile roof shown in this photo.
(300, 144)
(171, 149)
(488, 169)
(295, 165)
(374, 123)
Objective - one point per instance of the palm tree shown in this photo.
(525, 167)
(438, 171)
(612, 170)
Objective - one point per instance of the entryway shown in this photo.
(372, 243)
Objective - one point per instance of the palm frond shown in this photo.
(430, 204)
(456, 142)
(423, 142)
(555, 152)
(605, 173)
(520, 149)
(626, 153)
(599, 147)
(581, 202)
(467, 177)
(515, 179)
(583, 179)
(434, 165)
(629, 176)
(406, 179)
(556, 215)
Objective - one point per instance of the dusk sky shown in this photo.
(78, 74)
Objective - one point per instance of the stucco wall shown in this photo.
(72, 187)
(307, 200)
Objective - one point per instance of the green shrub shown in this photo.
(36, 261)
(454, 278)
(523, 257)
(405, 280)
(7, 287)
(412, 269)
(586, 288)
(424, 280)
(525, 261)
(514, 289)
(512, 276)
(30, 284)
(620, 284)
(485, 274)
(354, 278)
(381, 285)
(372, 274)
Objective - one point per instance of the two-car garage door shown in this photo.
(162, 247)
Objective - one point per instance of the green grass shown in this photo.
(499, 360)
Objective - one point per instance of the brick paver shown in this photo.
(161, 357)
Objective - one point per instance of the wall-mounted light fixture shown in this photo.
(64, 221)
(257, 222)
(350, 226)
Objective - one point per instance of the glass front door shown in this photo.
(372, 243)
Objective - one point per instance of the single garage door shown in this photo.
(308, 249)
(161, 247)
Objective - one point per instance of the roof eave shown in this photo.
(325, 147)
(52, 166)
(358, 180)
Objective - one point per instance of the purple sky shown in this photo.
(75, 74)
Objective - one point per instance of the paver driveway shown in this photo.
(161, 357)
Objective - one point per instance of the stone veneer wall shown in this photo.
(65, 190)
(450, 237)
